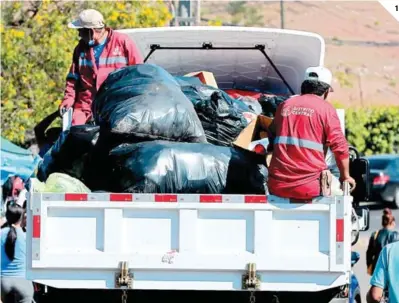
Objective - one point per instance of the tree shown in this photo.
(243, 14)
(237, 11)
(236, 7)
(253, 17)
(37, 50)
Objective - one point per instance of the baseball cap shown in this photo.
(319, 73)
(89, 18)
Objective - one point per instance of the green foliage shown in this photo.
(253, 17)
(344, 79)
(373, 130)
(236, 7)
(392, 83)
(337, 104)
(243, 14)
(216, 22)
(37, 50)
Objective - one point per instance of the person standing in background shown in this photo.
(100, 51)
(14, 286)
(385, 279)
(381, 238)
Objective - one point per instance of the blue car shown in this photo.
(354, 289)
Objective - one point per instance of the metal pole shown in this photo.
(177, 12)
(282, 13)
(198, 13)
(346, 188)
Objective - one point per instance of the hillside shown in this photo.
(362, 42)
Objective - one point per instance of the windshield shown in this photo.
(250, 71)
(379, 163)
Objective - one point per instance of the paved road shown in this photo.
(361, 246)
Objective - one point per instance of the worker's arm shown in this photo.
(335, 139)
(379, 280)
(132, 53)
(374, 295)
(72, 80)
(40, 128)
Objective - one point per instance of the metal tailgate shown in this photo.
(199, 242)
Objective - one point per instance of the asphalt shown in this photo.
(361, 246)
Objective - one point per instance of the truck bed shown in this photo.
(188, 241)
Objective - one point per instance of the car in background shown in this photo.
(384, 178)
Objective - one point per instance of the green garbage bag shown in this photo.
(37, 186)
(60, 183)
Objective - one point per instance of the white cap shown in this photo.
(319, 73)
(89, 18)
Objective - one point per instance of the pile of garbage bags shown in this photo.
(222, 117)
(168, 167)
(155, 133)
(145, 102)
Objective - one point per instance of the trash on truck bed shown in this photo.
(69, 153)
(222, 117)
(144, 102)
(59, 183)
(170, 167)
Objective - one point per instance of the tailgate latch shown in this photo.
(251, 280)
(124, 279)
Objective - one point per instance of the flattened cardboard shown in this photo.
(256, 130)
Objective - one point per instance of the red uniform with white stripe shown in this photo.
(85, 77)
(305, 126)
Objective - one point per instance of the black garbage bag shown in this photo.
(222, 117)
(252, 103)
(170, 167)
(145, 102)
(69, 153)
(97, 172)
(269, 104)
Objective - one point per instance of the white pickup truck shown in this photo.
(191, 247)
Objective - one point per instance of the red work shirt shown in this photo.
(305, 126)
(85, 77)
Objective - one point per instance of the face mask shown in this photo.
(91, 41)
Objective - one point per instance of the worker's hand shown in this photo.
(64, 106)
(351, 182)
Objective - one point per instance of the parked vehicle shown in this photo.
(384, 178)
(193, 246)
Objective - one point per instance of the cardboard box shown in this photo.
(256, 130)
(205, 77)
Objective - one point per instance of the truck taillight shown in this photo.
(381, 180)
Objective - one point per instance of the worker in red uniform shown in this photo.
(303, 128)
(99, 52)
